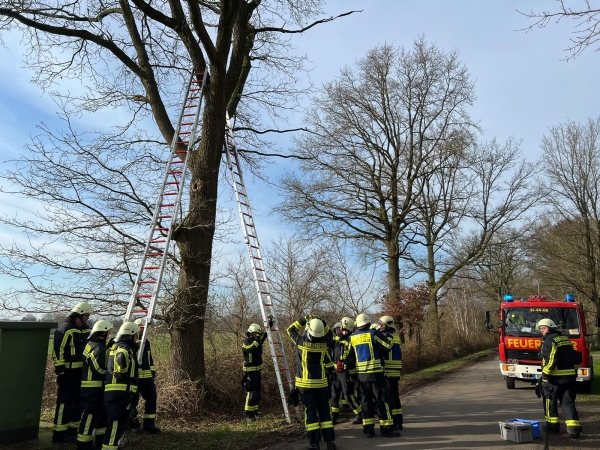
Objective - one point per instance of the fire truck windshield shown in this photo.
(523, 321)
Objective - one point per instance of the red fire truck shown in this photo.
(520, 338)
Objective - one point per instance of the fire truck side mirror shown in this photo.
(488, 324)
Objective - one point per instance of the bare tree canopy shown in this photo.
(133, 56)
(585, 16)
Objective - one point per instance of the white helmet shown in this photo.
(83, 308)
(337, 325)
(316, 328)
(254, 328)
(375, 326)
(128, 329)
(547, 323)
(102, 326)
(362, 320)
(348, 324)
(388, 320)
(141, 322)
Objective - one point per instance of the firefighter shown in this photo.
(346, 387)
(252, 348)
(393, 368)
(314, 368)
(69, 342)
(92, 387)
(558, 382)
(121, 383)
(335, 385)
(146, 388)
(370, 346)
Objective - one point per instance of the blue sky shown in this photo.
(521, 79)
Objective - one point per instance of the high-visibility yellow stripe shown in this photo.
(149, 416)
(115, 387)
(327, 424)
(91, 384)
(370, 421)
(74, 365)
(572, 423)
(252, 368)
(84, 438)
(88, 423)
(312, 426)
(113, 434)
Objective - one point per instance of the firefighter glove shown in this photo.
(340, 366)
(294, 397)
(538, 389)
(270, 321)
(302, 321)
(60, 370)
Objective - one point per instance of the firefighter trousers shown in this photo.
(94, 418)
(395, 401)
(147, 390)
(566, 394)
(118, 422)
(317, 417)
(253, 387)
(68, 404)
(375, 393)
(343, 388)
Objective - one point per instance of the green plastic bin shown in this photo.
(23, 353)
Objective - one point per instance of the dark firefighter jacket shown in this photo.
(341, 351)
(370, 347)
(93, 374)
(69, 343)
(558, 358)
(147, 369)
(393, 360)
(253, 350)
(312, 358)
(121, 371)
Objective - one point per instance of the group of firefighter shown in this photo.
(100, 381)
(355, 362)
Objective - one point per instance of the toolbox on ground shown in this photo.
(516, 431)
(534, 423)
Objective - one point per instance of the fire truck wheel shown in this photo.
(510, 382)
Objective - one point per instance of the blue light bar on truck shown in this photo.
(508, 298)
(569, 297)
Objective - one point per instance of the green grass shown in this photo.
(594, 395)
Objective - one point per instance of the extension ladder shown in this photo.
(267, 308)
(168, 207)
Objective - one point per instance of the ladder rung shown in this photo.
(185, 132)
(268, 304)
(185, 124)
(193, 98)
(154, 254)
(180, 152)
(285, 382)
(278, 355)
(151, 267)
(252, 236)
(175, 172)
(258, 268)
(148, 281)
(265, 293)
(282, 369)
(183, 142)
(256, 257)
(171, 193)
(191, 106)
(162, 228)
(188, 115)
(158, 241)
(177, 162)
(166, 205)
(253, 246)
(195, 89)
(139, 311)
(172, 182)
(164, 217)
(144, 295)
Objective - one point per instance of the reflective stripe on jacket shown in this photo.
(121, 371)
(147, 369)
(558, 358)
(252, 350)
(69, 343)
(93, 374)
(312, 358)
(393, 360)
(370, 346)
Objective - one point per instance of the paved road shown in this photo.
(460, 411)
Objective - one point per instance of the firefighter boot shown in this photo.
(150, 427)
(552, 428)
(331, 445)
(313, 447)
(334, 417)
(369, 430)
(389, 432)
(135, 425)
(398, 420)
(357, 420)
(99, 439)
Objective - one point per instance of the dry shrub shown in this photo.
(50, 389)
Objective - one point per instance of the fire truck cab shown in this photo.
(520, 338)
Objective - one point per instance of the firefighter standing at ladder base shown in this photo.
(252, 348)
(69, 342)
(370, 346)
(121, 384)
(92, 387)
(341, 350)
(393, 368)
(146, 388)
(558, 382)
(314, 368)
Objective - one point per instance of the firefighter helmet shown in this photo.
(83, 308)
(546, 323)
(388, 320)
(128, 329)
(348, 324)
(337, 325)
(362, 320)
(102, 326)
(141, 322)
(254, 328)
(375, 326)
(316, 328)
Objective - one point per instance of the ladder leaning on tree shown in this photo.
(259, 274)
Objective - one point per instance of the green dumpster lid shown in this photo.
(28, 325)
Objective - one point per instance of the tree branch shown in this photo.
(308, 27)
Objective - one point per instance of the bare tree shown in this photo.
(461, 209)
(135, 56)
(586, 17)
(375, 131)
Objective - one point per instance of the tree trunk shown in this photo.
(433, 318)
(194, 239)
(393, 264)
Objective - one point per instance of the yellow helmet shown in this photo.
(128, 329)
(362, 320)
(254, 328)
(348, 324)
(101, 326)
(316, 328)
(83, 308)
